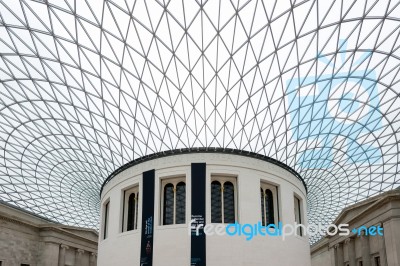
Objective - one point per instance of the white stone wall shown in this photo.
(172, 242)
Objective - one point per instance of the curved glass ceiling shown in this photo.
(89, 85)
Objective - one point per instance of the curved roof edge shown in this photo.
(201, 150)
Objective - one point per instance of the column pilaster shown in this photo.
(351, 249)
(339, 254)
(78, 256)
(365, 250)
(61, 258)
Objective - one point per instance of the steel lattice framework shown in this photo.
(87, 86)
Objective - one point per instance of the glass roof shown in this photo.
(87, 86)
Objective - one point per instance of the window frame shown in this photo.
(174, 181)
(222, 179)
(125, 207)
(377, 260)
(105, 219)
(264, 185)
(298, 205)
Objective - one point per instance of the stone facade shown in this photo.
(362, 248)
(27, 239)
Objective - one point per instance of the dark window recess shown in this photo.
(269, 206)
(105, 221)
(137, 210)
(262, 207)
(229, 203)
(297, 215)
(216, 214)
(131, 212)
(180, 216)
(168, 204)
(377, 261)
(222, 202)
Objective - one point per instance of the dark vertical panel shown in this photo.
(299, 206)
(277, 203)
(146, 252)
(262, 207)
(229, 203)
(269, 206)
(131, 212)
(216, 202)
(106, 220)
(168, 204)
(198, 242)
(123, 212)
(180, 215)
(137, 210)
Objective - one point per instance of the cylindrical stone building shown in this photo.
(203, 207)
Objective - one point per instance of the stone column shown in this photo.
(48, 254)
(339, 254)
(392, 241)
(333, 252)
(61, 258)
(78, 256)
(351, 249)
(93, 259)
(382, 249)
(366, 258)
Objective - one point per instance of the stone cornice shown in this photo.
(379, 201)
(44, 228)
(279, 166)
(49, 227)
(15, 221)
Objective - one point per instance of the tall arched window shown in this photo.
(131, 212)
(216, 214)
(174, 201)
(137, 209)
(180, 214)
(223, 200)
(229, 202)
(268, 203)
(106, 210)
(168, 204)
(262, 206)
(298, 217)
(130, 209)
(269, 207)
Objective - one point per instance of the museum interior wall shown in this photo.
(364, 247)
(30, 240)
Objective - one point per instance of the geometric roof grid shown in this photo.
(87, 86)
